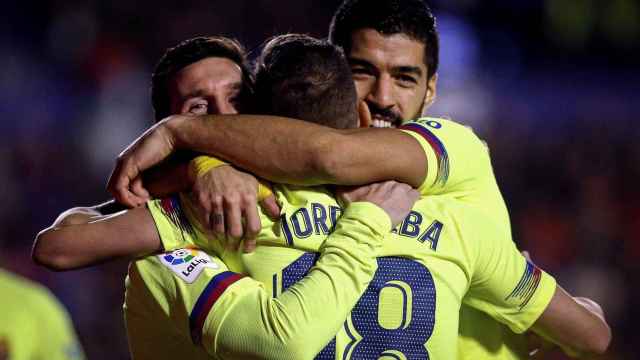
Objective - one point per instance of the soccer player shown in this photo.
(442, 249)
(33, 324)
(164, 290)
(202, 75)
(392, 46)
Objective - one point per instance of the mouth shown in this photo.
(384, 122)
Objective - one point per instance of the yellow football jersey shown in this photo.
(460, 170)
(443, 254)
(33, 324)
(185, 303)
(460, 166)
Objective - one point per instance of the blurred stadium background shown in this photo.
(551, 85)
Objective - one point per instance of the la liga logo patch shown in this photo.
(187, 263)
(180, 256)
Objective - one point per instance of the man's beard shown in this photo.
(388, 118)
(384, 117)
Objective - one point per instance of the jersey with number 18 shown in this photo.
(445, 253)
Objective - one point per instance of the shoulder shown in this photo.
(470, 222)
(32, 297)
(439, 127)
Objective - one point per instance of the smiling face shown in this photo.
(390, 76)
(210, 86)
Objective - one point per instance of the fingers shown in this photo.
(252, 220)
(120, 183)
(270, 206)
(217, 216)
(364, 114)
(252, 227)
(228, 198)
(414, 194)
(349, 194)
(242, 222)
(233, 221)
(137, 188)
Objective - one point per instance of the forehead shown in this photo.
(209, 73)
(387, 50)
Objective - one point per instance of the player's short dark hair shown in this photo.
(409, 17)
(302, 77)
(191, 51)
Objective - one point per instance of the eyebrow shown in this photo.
(402, 69)
(361, 62)
(236, 86)
(405, 69)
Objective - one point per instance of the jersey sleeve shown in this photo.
(505, 284)
(157, 303)
(233, 316)
(176, 229)
(458, 163)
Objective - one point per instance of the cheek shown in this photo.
(410, 103)
(363, 88)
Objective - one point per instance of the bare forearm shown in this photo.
(81, 238)
(578, 329)
(278, 149)
(297, 152)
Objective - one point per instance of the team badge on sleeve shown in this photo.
(187, 263)
(172, 210)
(527, 285)
(420, 127)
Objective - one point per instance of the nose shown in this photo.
(382, 92)
(224, 106)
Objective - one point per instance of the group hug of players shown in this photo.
(337, 224)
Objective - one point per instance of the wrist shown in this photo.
(202, 164)
(173, 128)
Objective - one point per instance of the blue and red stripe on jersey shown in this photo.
(172, 209)
(527, 285)
(438, 148)
(211, 293)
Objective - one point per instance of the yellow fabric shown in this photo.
(469, 179)
(465, 164)
(464, 175)
(445, 251)
(245, 322)
(201, 165)
(264, 190)
(33, 324)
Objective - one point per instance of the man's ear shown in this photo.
(430, 96)
(364, 114)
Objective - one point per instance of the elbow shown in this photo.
(600, 342)
(596, 345)
(45, 254)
